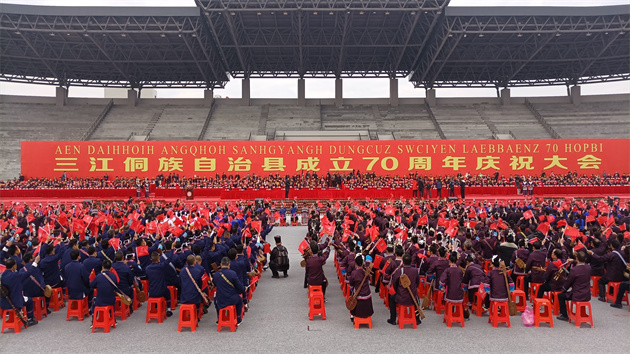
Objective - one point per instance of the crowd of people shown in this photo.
(458, 246)
(87, 249)
(354, 180)
(466, 250)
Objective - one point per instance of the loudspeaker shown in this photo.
(453, 199)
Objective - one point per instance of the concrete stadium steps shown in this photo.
(514, 118)
(351, 117)
(19, 122)
(124, 120)
(461, 122)
(588, 120)
(233, 122)
(293, 118)
(180, 123)
(408, 122)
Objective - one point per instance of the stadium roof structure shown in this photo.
(426, 40)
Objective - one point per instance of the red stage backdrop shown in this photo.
(437, 157)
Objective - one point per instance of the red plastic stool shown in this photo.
(406, 315)
(477, 307)
(11, 321)
(156, 309)
(121, 310)
(187, 317)
(487, 266)
(78, 309)
(612, 295)
(545, 315)
(227, 318)
(454, 313)
(520, 282)
(360, 320)
(518, 296)
(555, 303)
(533, 291)
(499, 313)
(135, 304)
(145, 287)
(386, 297)
(39, 308)
(103, 318)
(316, 305)
(578, 313)
(173, 291)
(314, 289)
(438, 299)
(595, 285)
(56, 299)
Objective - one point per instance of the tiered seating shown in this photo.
(588, 120)
(514, 118)
(233, 122)
(461, 122)
(124, 120)
(19, 121)
(180, 123)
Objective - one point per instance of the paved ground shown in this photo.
(278, 322)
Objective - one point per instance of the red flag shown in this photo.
(483, 214)
(443, 222)
(303, 245)
(472, 214)
(176, 231)
(451, 231)
(472, 224)
(258, 226)
(114, 242)
(92, 275)
(572, 232)
(622, 227)
(610, 221)
(578, 247)
(601, 220)
(543, 227)
(423, 220)
(550, 218)
(374, 232)
(142, 251)
(381, 245)
(561, 223)
(502, 225)
(493, 226)
(528, 214)
(590, 218)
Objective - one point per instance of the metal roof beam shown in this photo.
(599, 54)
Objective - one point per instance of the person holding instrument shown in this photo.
(361, 288)
(12, 281)
(404, 295)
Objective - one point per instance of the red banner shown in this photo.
(399, 157)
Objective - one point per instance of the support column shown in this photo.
(505, 97)
(576, 95)
(61, 95)
(393, 92)
(431, 100)
(246, 93)
(208, 96)
(338, 92)
(301, 101)
(132, 97)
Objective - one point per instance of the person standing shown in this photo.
(451, 187)
(279, 260)
(462, 188)
(438, 186)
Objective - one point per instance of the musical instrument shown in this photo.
(426, 301)
(406, 283)
(561, 273)
(511, 304)
(307, 253)
(520, 263)
(6, 293)
(351, 302)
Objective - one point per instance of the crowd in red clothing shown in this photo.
(312, 181)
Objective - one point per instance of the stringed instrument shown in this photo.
(351, 302)
(426, 301)
(5, 292)
(406, 283)
(511, 304)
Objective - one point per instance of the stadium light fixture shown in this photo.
(285, 13)
(331, 13)
(52, 34)
(361, 12)
(18, 32)
(386, 12)
(480, 35)
(413, 13)
(519, 35)
(314, 12)
(234, 13)
(123, 35)
(588, 34)
(162, 35)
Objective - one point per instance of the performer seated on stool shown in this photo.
(403, 296)
(579, 280)
(229, 289)
(364, 307)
